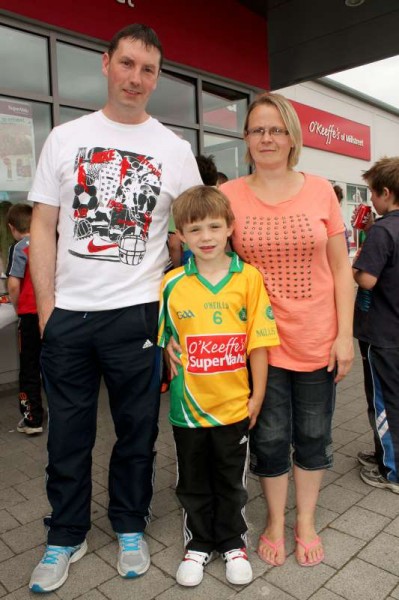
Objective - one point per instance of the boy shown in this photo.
(217, 309)
(22, 296)
(377, 320)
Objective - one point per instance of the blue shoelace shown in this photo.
(53, 552)
(130, 542)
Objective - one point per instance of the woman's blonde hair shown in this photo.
(291, 121)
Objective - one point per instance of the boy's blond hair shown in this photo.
(19, 216)
(199, 203)
(384, 174)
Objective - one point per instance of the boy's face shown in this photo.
(384, 202)
(207, 239)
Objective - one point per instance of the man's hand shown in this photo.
(44, 315)
(173, 349)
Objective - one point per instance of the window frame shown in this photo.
(55, 35)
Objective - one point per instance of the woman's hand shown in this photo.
(341, 355)
(173, 349)
(254, 406)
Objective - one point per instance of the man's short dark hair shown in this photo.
(19, 216)
(137, 31)
(207, 169)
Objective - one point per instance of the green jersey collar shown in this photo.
(236, 264)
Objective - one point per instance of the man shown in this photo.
(105, 184)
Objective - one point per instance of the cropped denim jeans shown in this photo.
(296, 414)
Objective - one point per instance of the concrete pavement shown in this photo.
(359, 524)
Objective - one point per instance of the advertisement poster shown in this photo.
(17, 149)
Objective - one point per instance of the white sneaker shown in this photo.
(191, 569)
(23, 428)
(238, 568)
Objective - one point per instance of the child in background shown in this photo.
(22, 296)
(217, 309)
(376, 323)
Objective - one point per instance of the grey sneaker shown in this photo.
(367, 459)
(23, 428)
(375, 479)
(134, 556)
(52, 570)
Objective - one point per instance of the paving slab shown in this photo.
(263, 590)
(360, 522)
(324, 594)
(28, 511)
(92, 595)
(338, 499)
(25, 537)
(359, 580)
(393, 527)
(359, 525)
(7, 521)
(383, 551)
(5, 551)
(383, 502)
(10, 477)
(144, 588)
(339, 547)
(299, 582)
(210, 588)
(16, 572)
(85, 575)
(343, 464)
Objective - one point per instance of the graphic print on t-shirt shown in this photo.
(115, 194)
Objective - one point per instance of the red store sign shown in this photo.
(325, 131)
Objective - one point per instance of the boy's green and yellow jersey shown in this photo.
(217, 327)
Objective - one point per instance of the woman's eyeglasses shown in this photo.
(259, 132)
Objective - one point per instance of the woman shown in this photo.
(289, 225)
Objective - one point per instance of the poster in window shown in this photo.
(17, 153)
(356, 194)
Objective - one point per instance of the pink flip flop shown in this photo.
(308, 547)
(274, 546)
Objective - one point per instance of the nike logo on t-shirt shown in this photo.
(92, 247)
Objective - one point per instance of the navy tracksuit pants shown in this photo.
(78, 349)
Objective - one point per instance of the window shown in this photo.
(68, 114)
(223, 108)
(187, 134)
(200, 109)
(80, 79)
(228, 152)
(174, 99)
(23, 62)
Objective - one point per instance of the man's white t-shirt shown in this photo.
(114, 185)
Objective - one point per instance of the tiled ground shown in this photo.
(359, 524)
